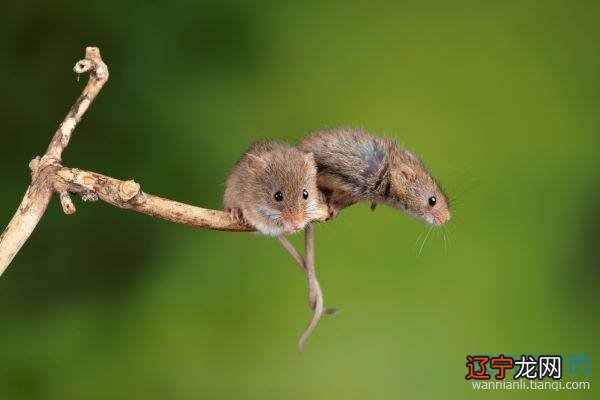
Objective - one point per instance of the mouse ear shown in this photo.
(405, 172)
(255, 162)
(309, 157)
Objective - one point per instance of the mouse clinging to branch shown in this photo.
(273, 188)
(356, 166)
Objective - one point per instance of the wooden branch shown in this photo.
(41, 189)
(128, 195)
(49, 177)
(93, 64)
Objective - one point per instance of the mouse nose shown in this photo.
(289, 228)
(441, 218)
(293, 224)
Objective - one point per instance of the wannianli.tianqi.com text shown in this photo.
(530, 385)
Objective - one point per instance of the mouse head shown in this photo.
(415, 191)
(285, 190)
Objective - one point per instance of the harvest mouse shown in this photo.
(273, 188)
(357, 166)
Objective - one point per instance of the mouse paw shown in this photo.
(236, 214)
(314, 294)
(334, 210)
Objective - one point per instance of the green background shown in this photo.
(500, 99)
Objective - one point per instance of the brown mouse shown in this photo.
(273, 188)
(356, 166)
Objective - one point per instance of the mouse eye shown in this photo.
(278, 196)
(305, 194)
(432, 200)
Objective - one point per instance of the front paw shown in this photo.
(236, 214)
(333, 210)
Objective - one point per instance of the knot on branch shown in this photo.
(39, 163)
(128, 190)
(82, 66)
(92, 62)
(34, 164)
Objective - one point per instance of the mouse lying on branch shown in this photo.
(356, 166)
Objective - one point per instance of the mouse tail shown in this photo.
(318, 311)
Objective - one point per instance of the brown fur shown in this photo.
(356, 166)
(266, 168)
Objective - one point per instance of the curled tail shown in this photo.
(318, 311)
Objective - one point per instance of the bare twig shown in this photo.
(41, 189)
(93, 64)
(129, 195)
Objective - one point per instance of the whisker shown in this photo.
(418, 239)
(272, 215)
(448, 236)
(425, 240)
(445, 239)
(311, 206)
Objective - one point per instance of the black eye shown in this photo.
(278, 196)
(305, 194)
(432, 201)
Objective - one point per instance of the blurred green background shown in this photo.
(500, 99)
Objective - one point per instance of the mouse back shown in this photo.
(356, 166)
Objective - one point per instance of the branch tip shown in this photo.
(66, 203)
(92, 52)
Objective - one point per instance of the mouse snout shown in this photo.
(292, 222)
(441, 217)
